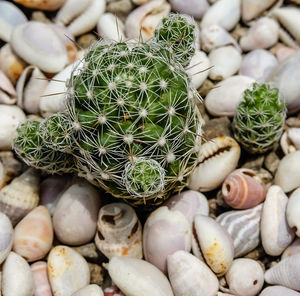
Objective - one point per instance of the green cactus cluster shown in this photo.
(259, 119)
(131, 124)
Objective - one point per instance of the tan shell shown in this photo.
(41, 4)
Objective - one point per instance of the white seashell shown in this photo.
(165, 232)
(90, 290)
(225, 62)
(276, 235)
(79, 200)
(262, 34)
(258, 64)
(194, 8)
(253, 8)
(6, 237)
(245, 277)
(190, 203)
(40, 276)
(17, 278)
(278, 291)
(190, 276)
(243, 227)
(292, 249)
(10, 118)
(8, 94)
(285, 273)
(217, 158)
(215, 36)
(225, 97)
(119, 231)
(67, 270)
(198, 68)
(214, 242)
(288, 173)
(10, 17)
(30, 86)
(137, 277)
(110, 27)
(225, 13)
(143, 20)
(293, 211)
(294, 136)
(41, 4)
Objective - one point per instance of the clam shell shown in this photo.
(6, 237)
(41, 4)
(190, 276)
(165, 232)
(20, 196)
(214, 242)
(253, 8)
(243, 227)
(137, 277)
(119, 231)
(110, 27)
(293, 211)
(276, 235)
(292, 249)
(39, 45)
(217, 158)
(278, 291)
(7, 91)
(40, 277)
(194, 8)
(90, 290)
(285, 273)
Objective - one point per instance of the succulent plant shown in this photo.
(259, 119)
(131, 123)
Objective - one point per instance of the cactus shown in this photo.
(259, 119)
(131, 124)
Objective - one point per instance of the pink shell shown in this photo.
(241, 191)
(40, 277)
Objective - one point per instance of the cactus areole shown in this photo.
(131, 124)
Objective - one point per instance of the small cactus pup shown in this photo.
(131, 124)
(259, 119)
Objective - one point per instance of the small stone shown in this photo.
(212, 203)
(97, 274)
(238, 32)
(203, 112)
(86, 40)
(13, 167)
(265, 177)
(217, 127)
(119, 7)
(90, 253)
(254, 163)
(206, 87)
(272, 162)
(40, 16)
(293, 121)
(256, 254)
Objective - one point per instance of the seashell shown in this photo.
(224, 294)
(215, 36)
(10, 63)
(245, 277)
(225, 13)
(110, 27)
(80, 200)
(41, 4)
(40, 277)
(67, 270)
(225, 62)
(8, 94)
(6, 237)
(278, 291)
(33, 235)
(190, 203)
(194, 8)
(90, 290)
(10, 118)
(276, 235)
(288, 173)
(136, 277)
(262, 34)
(30, 86)
(142, 21)
(253, 8)
(165, 232)
(214, 242)
(10, 17)
(285, 273)
(258, 64)
(285, 77)
(284, 52)
(39, 45)
(190, 276)
(198, 68)
(243, 227)
(217, 158)
(241, 190)
(225, 97)
(119, 231)
(293, 211)
(20, 196)
(17, 277)
(292, 249)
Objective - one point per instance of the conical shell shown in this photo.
(293, 211)
(278, 291)
(119, 231)
(40, 277)
(6, 237)
(22, 195)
